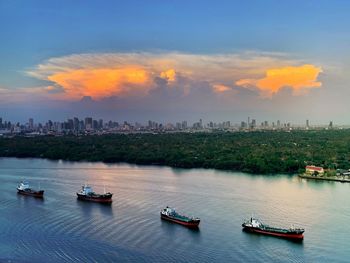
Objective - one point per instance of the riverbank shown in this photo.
(270, 152)
(325, 178)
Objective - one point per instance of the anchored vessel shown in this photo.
(171, 215)
(87, 194)
(24, 189)
(254, 225)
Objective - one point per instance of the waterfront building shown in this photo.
(311, 169)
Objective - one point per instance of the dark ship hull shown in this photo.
(103, 198)
(31, 192)
(278, 232)
(181, 220)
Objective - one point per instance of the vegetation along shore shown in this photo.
(267, 152)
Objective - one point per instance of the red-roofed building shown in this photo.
(311, 169)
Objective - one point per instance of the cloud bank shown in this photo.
(298, 78)
(143, 74)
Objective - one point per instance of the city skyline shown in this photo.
(173, 61)
(90, 125)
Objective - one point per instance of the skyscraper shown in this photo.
(31, 123)
(76, 124)
(100, 124)
(88, 123)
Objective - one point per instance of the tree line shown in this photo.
(263, 152)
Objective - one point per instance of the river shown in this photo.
(62, 229)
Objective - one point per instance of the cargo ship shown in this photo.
(24, 189)
(87, 194)
(171, 215)
(256, 226)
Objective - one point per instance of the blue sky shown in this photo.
(287, 33)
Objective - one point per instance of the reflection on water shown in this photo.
(61, 228)
(89, 208)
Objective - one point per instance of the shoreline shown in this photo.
(150, 165)
(324, 178)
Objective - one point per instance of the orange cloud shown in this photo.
(129, 74)
(169, 75)
(219, 88)
(297, 78)
(99, 83)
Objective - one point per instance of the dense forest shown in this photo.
(264, 152)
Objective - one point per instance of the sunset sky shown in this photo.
(175, 60)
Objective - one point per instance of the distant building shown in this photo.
(31, 123)
(88, 123)
(76, 124)
(94, 124)
(311, 169)
(307, 124)
(100, 124)
(70, 124)
(253, 124)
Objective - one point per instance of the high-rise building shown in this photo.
(0, 123)
(76, 124)
(331, 124)
(31, 123)
(70, 124)
(253, 124)
(81, 125)
(88, 123)
(94, 124)
(49, 125)
(307, 124)
(278, 123)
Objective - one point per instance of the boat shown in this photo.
(256, 226)
(171, 215)
(24, 189)
(87, 194)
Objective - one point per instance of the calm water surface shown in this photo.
(63, 229)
